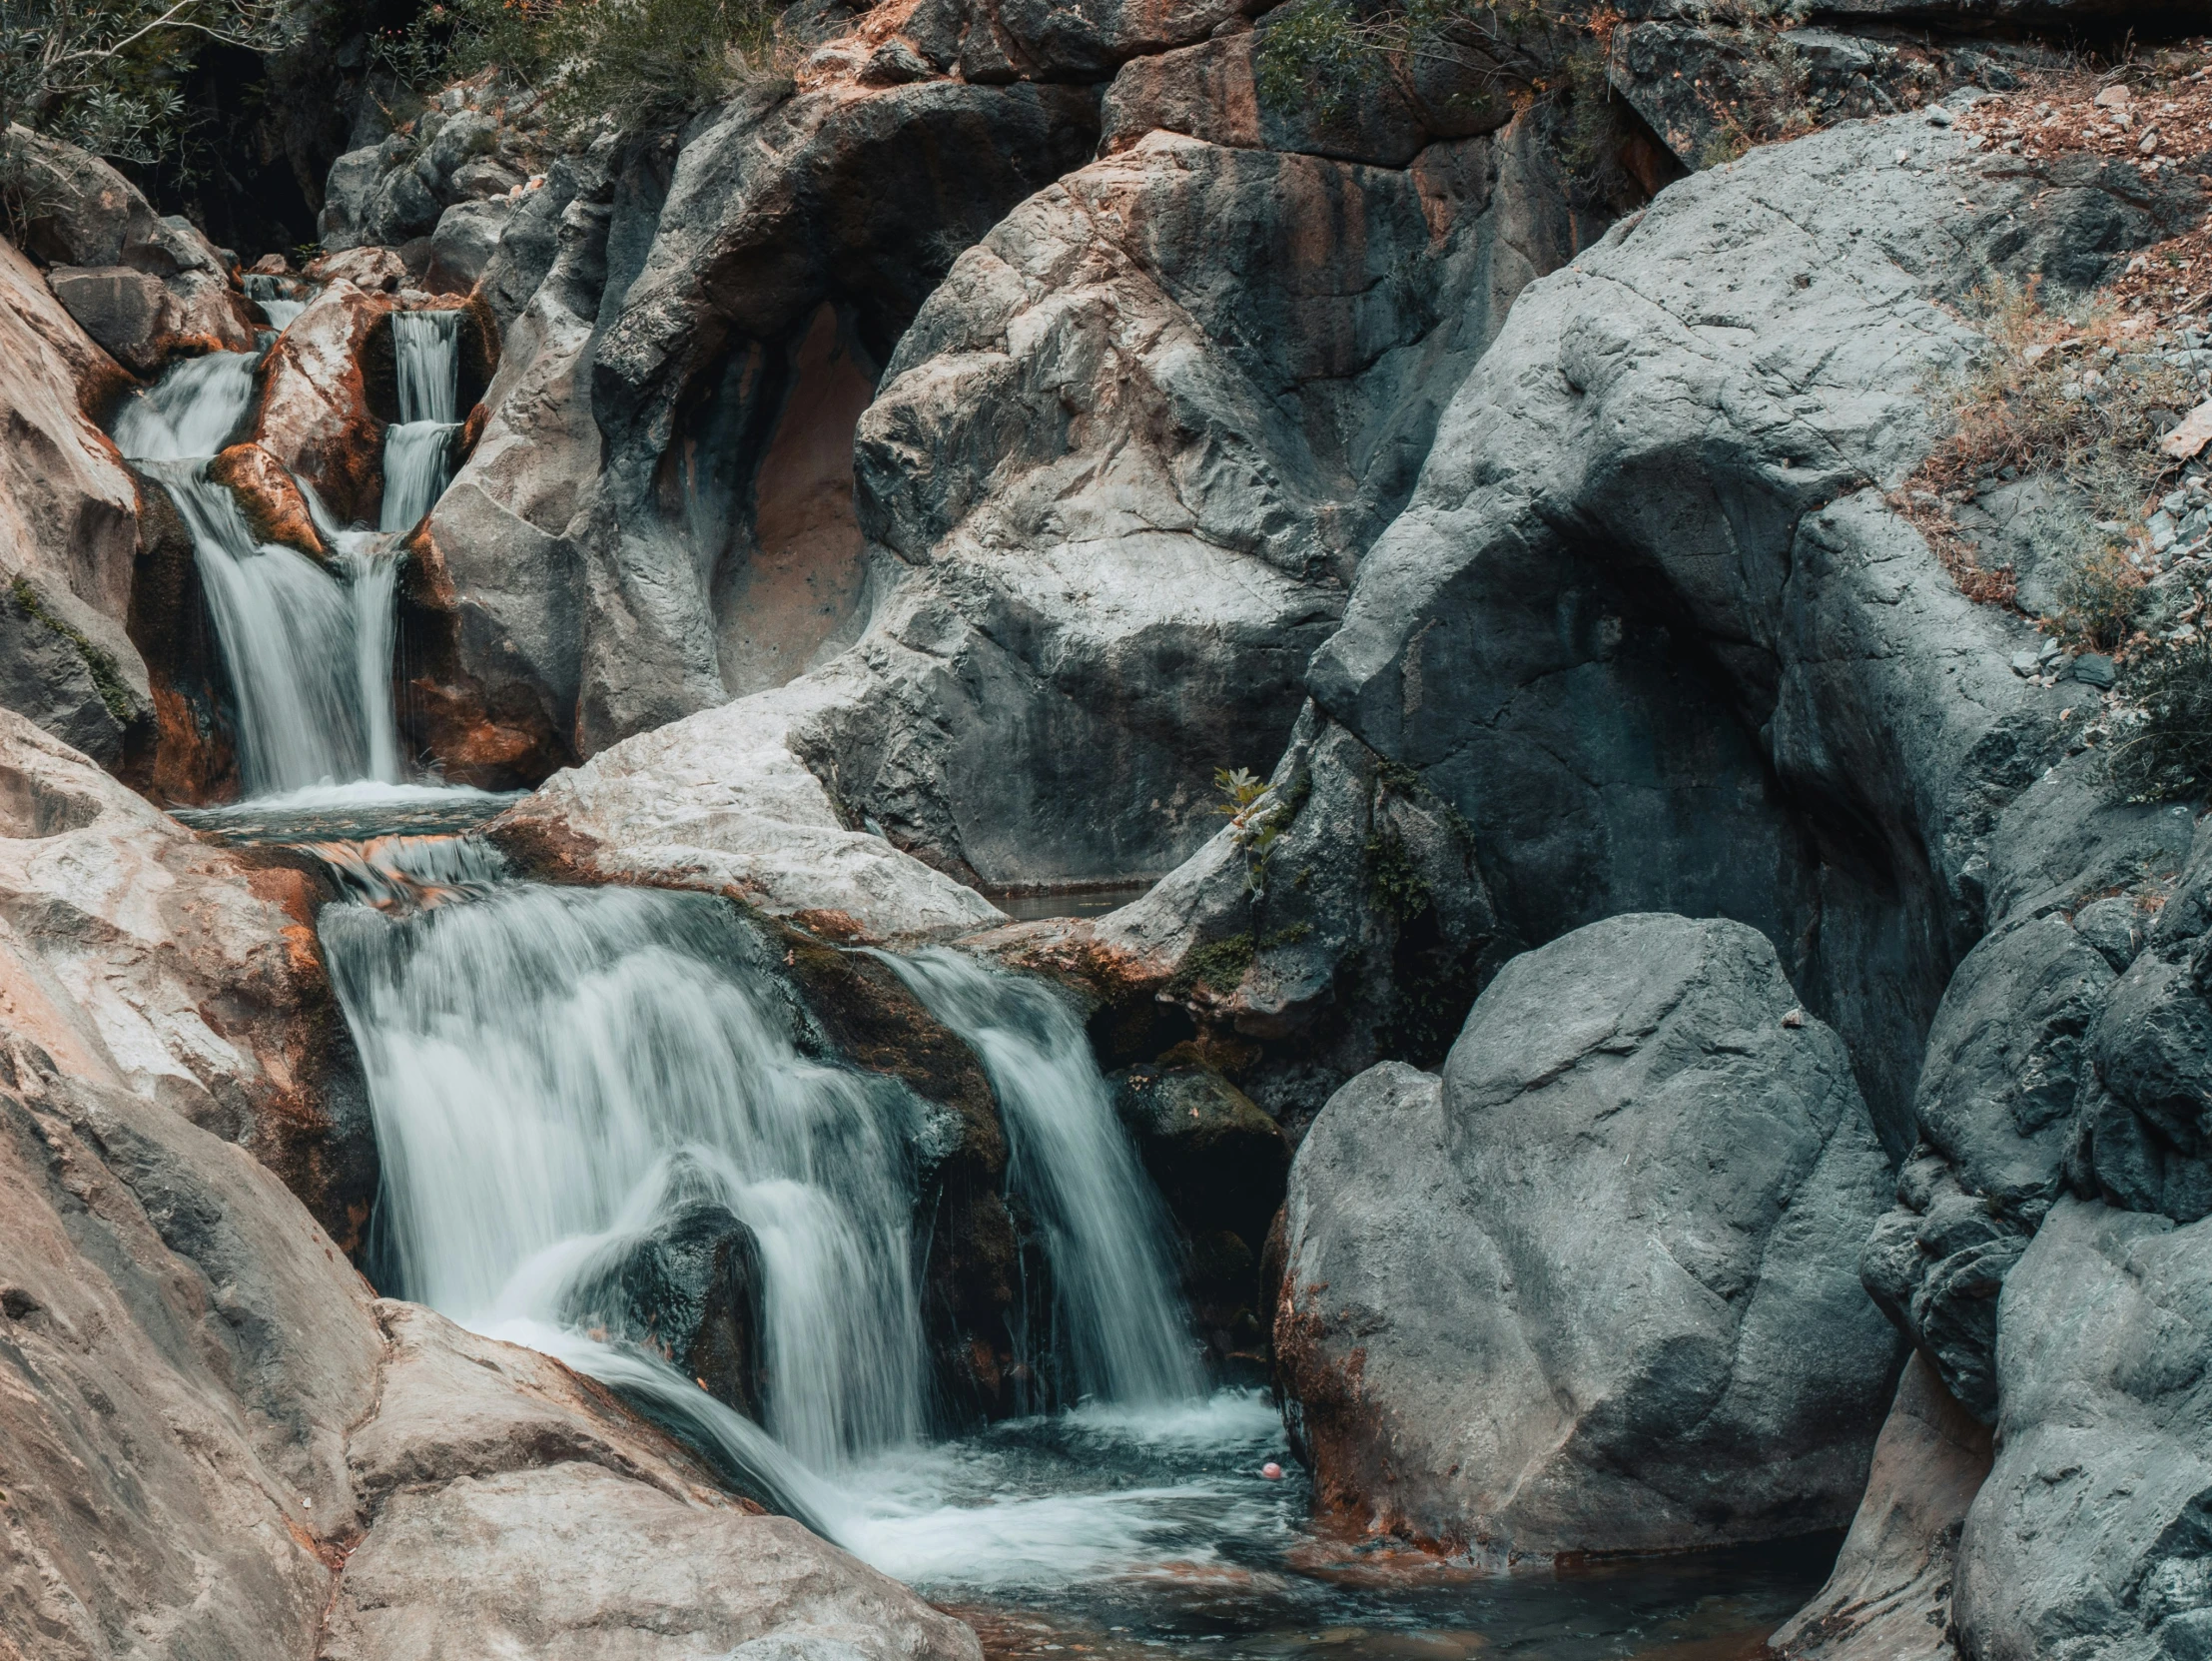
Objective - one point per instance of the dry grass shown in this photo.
(2077, 397)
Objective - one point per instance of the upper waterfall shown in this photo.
(425, 348)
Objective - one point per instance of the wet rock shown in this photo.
(690, 1290)
(491, 607)
(2089, 1536)
(1889, 1596)
(1627, 1123)
(871, 1021)
(68, 533)
(275, 509)
(315, 414)
(1220, 1163)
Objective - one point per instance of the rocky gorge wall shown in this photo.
(923, 477)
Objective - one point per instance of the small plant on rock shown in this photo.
(2098, 601)
(2160, 745)
(1254, 821)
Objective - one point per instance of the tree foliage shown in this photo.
(644, 63)
(103, 74)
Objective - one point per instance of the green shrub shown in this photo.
(104, 74)
(2098, 600)
(645, 63)
(2161, 743)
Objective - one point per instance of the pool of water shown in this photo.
(1139, 1535)
(348, 812)
(1088, 900)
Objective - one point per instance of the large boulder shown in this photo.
(1595, 1288)
(68, 531)
(721, 802)
(315, 414)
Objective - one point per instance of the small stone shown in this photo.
(1792, 1016)
(2149, 142)
(2023, 663)
(1938, 117)
(1903, 156)
(2094, 669)
(2115, 96)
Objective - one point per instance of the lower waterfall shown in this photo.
(569, 1084)
(1120, 1334)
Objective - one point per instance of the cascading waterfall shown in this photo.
(290, 635)
(309, 649)
(289, 630)
(190, 411)
(418, 446)
(1119, 1321)
(557, 1074)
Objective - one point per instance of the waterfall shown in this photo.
(1119, 1318)
(291, 639)
(418, 446)
(308, 652)
(418, 465)
(190, 411)
(558, 1075)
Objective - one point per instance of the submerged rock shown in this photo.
(1595, 1288)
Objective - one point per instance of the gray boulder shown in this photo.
(1596, 1290)
(2092, 1537)
(1647, 621)
(462, 245)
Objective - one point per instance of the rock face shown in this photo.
(1595, 1288)
(2090, 1536)
(68, 533)
(145, 961)
(1649, 564)
(1889, 1593)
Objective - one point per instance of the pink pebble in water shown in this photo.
(1271, 1470)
